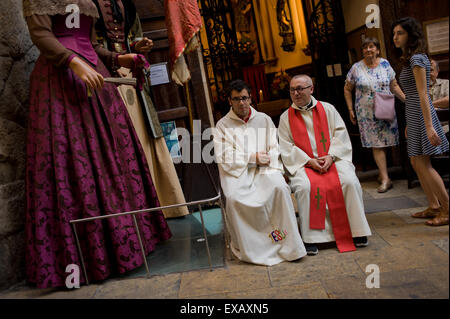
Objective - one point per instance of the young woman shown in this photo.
(425, 136)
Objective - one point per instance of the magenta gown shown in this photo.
(83, 159)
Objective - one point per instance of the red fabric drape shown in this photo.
(183, 21)
(255, 75)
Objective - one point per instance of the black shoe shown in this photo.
(311, 249)
(361, 241)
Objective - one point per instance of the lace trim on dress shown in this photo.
(54, 7)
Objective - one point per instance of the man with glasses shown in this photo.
(259, 210)
(317, 154)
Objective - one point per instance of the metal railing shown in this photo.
(218, 197)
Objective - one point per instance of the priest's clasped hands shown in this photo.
(262, 159)
(320, 164)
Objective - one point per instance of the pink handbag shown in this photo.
(384, 105)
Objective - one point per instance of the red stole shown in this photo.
(325, 188)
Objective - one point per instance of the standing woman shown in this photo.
(425, 136)
(373, 74)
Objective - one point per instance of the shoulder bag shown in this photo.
(383, 103)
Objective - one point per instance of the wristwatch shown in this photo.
(333, 158)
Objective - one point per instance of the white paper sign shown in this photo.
(159, 74)
(337, 69)
(330, 70)
(437, 36)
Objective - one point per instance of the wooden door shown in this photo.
(171, 99)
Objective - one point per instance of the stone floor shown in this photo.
(412, 258)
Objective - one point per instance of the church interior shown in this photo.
(265, 43)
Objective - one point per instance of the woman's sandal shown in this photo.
(440, 220)
(427, 213)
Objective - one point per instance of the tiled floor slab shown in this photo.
(204, 282)
(439, 277)
(409, 255)
(310, 290)
(441, 243)
(412, 233)
(405, 214)
(388, 203)
(313, 268)
(404, 284)
(84, 292)
(400, 188)
(155, 287)
(384, 220)
(350, 287)
(375, 242)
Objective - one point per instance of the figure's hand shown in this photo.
(433, 137)
(262, 159)
(128, 61)
(326, 161)
(87, 74)
(352, 117)
(315, 164)
(143, 46)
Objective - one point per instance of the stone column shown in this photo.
(17, 57)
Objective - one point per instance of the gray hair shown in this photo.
(436, 64)
(307, 78)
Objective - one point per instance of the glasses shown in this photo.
(299, 89)
(242, 98)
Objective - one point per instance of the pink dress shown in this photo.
(83, 159)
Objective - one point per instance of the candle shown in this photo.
(261, 96)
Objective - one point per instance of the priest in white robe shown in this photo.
(312, 156)
(259, 210)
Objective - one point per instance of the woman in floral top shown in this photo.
(371, 74)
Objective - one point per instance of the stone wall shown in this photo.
(17, 57)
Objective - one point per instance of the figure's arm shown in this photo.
(348, 88)
(40, 27)
(395, 88)
(441, 103)
(110, 59)
(292, 156)
(41, 33)
(421, 85)
(143, 45)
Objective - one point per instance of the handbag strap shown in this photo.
(368, 76)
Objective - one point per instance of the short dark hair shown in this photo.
(238, 85)
(416, 41)
(370, 40)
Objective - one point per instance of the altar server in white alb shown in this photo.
(317, 154)
(259, 210)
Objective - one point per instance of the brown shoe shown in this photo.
(385, 186)
(439, 220)
(427, 213)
